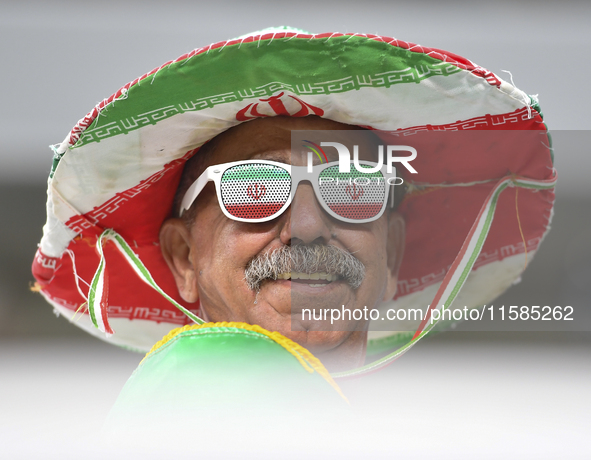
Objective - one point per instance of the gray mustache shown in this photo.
(305, 259)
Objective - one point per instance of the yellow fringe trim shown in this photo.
(308, 361)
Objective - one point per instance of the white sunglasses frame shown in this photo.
(215, 172)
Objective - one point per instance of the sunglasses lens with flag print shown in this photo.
(259, 190)
(353, 196)
(254, 191)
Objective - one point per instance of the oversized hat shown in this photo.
(116, 173)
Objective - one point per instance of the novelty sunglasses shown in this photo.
(259, 191)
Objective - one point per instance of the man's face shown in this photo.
(209, 257)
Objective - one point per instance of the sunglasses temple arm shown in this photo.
(391, 196)
(194, 190)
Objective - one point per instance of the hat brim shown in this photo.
(121, 164)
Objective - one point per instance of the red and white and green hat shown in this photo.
(116, 173)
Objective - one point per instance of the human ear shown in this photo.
(394, 251)
(175, 244)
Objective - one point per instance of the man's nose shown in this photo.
(307, 222)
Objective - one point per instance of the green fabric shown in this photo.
(264, 67)
(206, 376)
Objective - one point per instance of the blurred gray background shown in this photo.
(60, 58)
